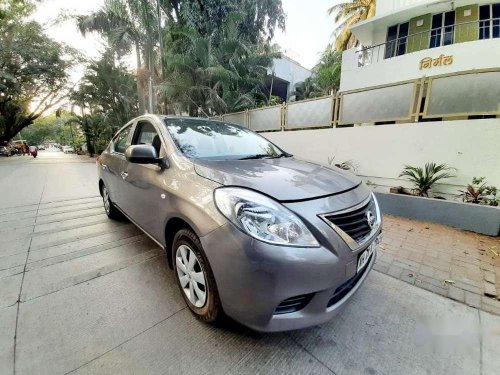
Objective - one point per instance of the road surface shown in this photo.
(82, 294)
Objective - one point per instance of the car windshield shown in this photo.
(204, 139)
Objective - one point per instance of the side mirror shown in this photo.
(145, 154)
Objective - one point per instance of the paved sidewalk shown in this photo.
(461, 265)
(80, 293)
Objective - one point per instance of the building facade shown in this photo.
(423, 60)
(283, 76)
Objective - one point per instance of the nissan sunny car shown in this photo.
(251, 232)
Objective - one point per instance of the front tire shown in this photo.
(195, 278)
(109, 207)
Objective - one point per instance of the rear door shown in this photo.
(144, 196)
(114, 163)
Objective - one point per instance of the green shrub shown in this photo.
(424, 178)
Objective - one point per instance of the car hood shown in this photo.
(285, 179)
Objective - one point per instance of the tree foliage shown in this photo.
(347, 14)
(259, 19)
(53, 128)
(325, 79)
(33, 70)
(133, 25)
(104, 101)
(217, 73)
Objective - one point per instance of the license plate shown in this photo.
(365, 256)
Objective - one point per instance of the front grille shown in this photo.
(354, 222)
(293, 304)
(345, 288)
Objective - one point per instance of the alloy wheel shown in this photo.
(105, 198)
(191, 275)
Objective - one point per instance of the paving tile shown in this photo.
(395, 271)
(472, 299)
(489, 276)
(426, 271)
(490, 290)
(408, 276)
(456, 293)
(381, 267)
(491, 305)
(432, 287)
(468, 287)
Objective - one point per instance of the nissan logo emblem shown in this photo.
(370, 218)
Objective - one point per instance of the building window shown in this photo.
(489, 21)
(449, 28)
(402, 38)
(485, 21)
(397, 39)
(495, 11)
(443, 29)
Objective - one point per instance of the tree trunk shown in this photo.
(88, 141)
(140, 89)
(11, 131)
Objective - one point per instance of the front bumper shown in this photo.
(253, 278)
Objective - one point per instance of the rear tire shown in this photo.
(109, 207)
(195, 277)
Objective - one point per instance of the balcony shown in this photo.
(437, 37)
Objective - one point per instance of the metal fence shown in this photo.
(305, 114)
(456, 95)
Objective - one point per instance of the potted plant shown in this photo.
(479, 193)
(424, 178)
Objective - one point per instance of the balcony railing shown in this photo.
(441, 36)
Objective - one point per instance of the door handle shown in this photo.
(124, 175)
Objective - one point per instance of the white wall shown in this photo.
(390, 6)
(290, 71)
(380, 152)
(466, 56)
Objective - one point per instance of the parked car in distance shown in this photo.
(6, 151)
(68, 149)
(252, 232)
(41, 147)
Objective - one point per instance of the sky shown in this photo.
(308, 28)
(308, 31)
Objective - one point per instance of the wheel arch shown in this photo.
(101, 184)
(174, 224)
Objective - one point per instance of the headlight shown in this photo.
(263, 218)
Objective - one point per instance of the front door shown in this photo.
(113, 164)
(143, 192)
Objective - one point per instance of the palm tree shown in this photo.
(327, 71)
(424, 178)
(217, 73)
(306, 89)
(349, 13)
(128, 24)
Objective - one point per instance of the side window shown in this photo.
(146, 134)
(120, 141)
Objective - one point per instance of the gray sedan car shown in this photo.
(274, 242)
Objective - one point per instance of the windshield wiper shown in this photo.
(262, 156)
(256, 156)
